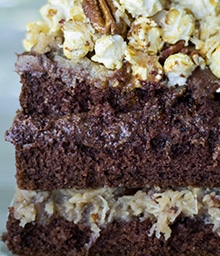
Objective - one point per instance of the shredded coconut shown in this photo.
(98, 207)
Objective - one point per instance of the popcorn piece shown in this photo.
(145, 35)
(209, 27)
(177, 25)
(201, 8)
(121, 13)
(198, 60)
(52, 14)
(214, 62)
(207, 48)
(37, 37)
(68, 17)
(142, 7)
(178, 67)
(144, 66)
(77, 40)
(109, 50)
(57, 10)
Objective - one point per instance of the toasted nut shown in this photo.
(101, 16)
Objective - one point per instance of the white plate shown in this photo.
(14, 15)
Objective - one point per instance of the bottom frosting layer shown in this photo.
(61, 237)
(99, 207)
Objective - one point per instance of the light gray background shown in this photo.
(14, 15)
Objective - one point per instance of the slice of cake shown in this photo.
(118, 136)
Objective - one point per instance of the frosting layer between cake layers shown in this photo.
(97, 208)
(115, 221)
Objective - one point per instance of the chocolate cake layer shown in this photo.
(90, 134)
(60, 237)
(86, 151)
(52, 85)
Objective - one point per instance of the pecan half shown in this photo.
(101, 15)
(172, 49)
